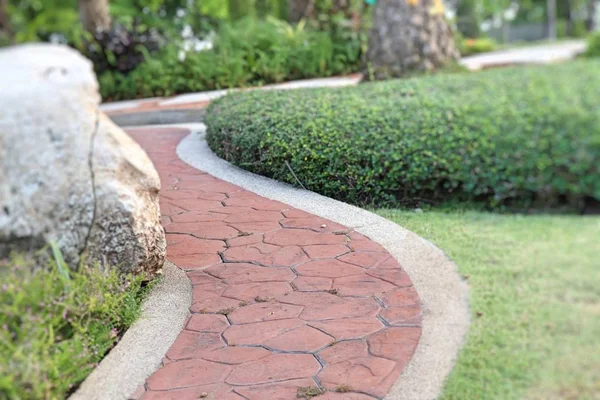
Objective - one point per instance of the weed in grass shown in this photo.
(226, 311)
(308, 392)
(343, 388)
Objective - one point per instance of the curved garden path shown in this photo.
(284, 302)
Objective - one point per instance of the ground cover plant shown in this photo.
(468, 47)
(56, 325)
(515, 137)
(534, 298)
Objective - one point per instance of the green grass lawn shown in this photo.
(535, 302)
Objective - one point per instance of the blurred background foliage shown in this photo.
(215, 44)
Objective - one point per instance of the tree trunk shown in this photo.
(551, 14)
(468, 19)
(570, 19)
(94, 15)
(298, 9)
(6, 31)
(263, 8)
(590, 22)
(409, 36)
(239, 9)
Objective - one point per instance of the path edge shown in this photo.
(141, 350)
(443, 293)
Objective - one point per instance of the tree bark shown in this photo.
(239, 9)
(5, 25)
(590, 22)
(570, 20)
(551, 14)
(94, 15)
(298, 9)
(409, 36)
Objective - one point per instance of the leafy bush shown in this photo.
(593, 45)
(247, 52)
(35, 20)
(55, 325)
(519, 135)
(469, 47)
(120, 49)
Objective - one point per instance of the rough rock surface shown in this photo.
(67, 173)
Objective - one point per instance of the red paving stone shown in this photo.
(282, 299)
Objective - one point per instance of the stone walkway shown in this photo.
(284, 303)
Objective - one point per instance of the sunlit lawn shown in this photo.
(535, 298)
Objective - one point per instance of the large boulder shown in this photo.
(67, 173)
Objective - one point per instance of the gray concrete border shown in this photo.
(141, 350)
(156, 117)
(530, 55)
(444, 295)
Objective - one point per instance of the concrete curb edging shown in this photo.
(141, 350)
(443, 293)
(157, 117)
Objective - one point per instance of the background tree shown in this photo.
(551, 19)
(468, 18)
(6, 34)
(409, 36)
(94, 15)
(323, 9)
(240, 8)
(590, 22)
(298, 9)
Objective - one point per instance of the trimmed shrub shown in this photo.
(518, 136)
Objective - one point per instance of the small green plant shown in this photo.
(343, 388)
(308, 392)
(469, 47)
(56, 324)
(593, 45)
(226, 311)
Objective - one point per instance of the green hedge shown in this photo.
(521, 135)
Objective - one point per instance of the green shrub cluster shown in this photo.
(247, 52)
(527, 135)
(469, 47)
(55, 325)
(593, 45)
